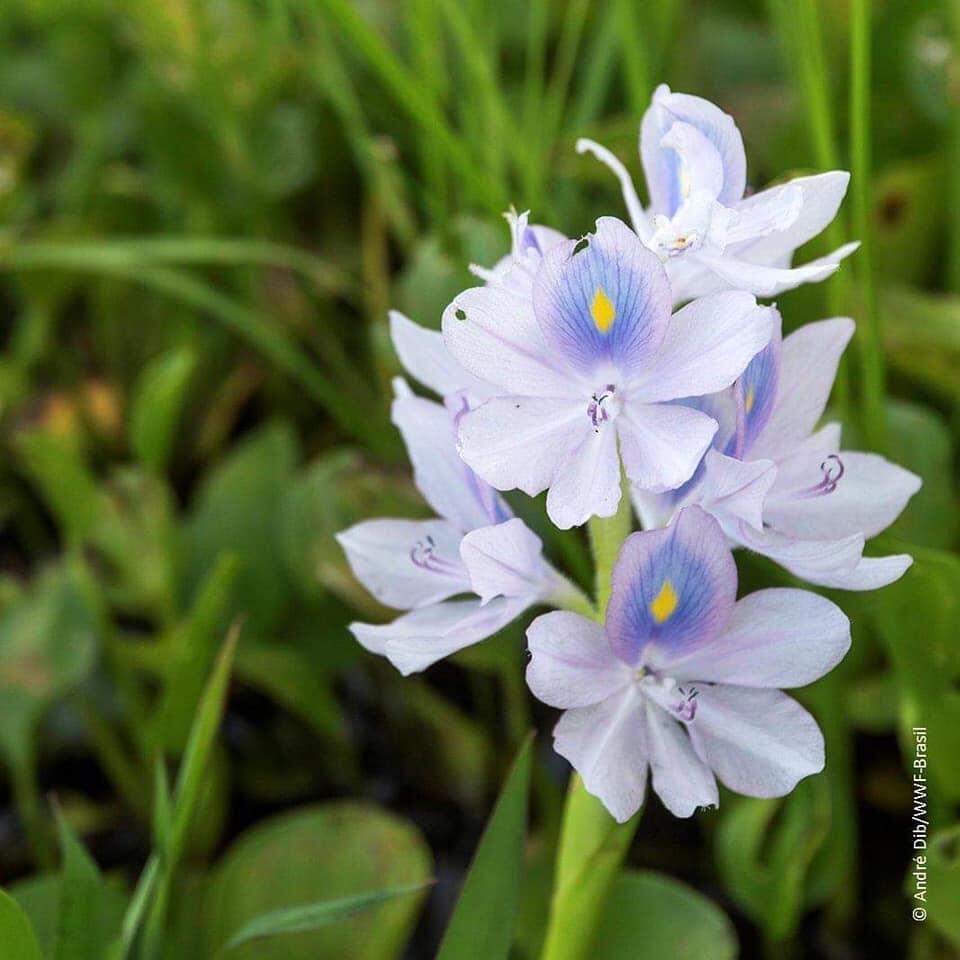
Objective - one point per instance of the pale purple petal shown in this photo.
(662, 444)
(808, 367)
(493, 332)
(708, 345)
(418, 639)
(606, 744)
(761, 280)
(445, 481)
(862, 493)
(774, 638)
(572, 663)
(679, 777)
(821, 196)
(520, 442)
(638, 217)
(756, 393)
(504, 560)
(673, 590)
(662, 165)
(772, 211)
(758, 742)
(426, 358)
(735, 491)
(700, 163)
(587, 482)
(406, 563)
(603, 301)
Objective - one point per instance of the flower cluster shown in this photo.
(569, 371)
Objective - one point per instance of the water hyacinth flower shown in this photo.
(782, 488)
(684, 680)
(586, 358)
(475, 548)
(708, 233)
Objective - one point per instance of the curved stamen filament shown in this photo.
(423, 555)
(833, 470)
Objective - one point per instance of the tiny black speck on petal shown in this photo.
(460, 315)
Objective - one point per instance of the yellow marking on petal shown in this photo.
(664, 603)
(748, 403)
(602, 311)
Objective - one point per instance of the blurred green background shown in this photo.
(206, 208)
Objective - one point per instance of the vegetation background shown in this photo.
(206, 209)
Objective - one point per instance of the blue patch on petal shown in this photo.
(672, 589)
(608, 303)
(757, 386)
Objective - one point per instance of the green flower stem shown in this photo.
(606, 538)
(592, 843)
(592, 848)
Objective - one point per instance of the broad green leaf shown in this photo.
(917, 618)
(325, 852)
(84, 924)
(651, 915)
(482, 923)
(919, 439)
(158, 401)
(47, 644)
(238, 511)
(16, 934)
(333, 492)
(313, 915)
(764, 849)
(942, 882)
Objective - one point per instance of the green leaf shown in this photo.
(16, 934)
(314, 915)
(482, 923)
(47, 644)
(764, 850)
(158, 400)
(925, 661)
(320, 853)
(649, 914)
(238, 511)
(943, 882)
(83, 924)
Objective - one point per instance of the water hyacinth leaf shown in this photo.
(482, 923)
(84, 923)
(329, 495)
(943, 882)
(318, 853)
(313, 915)
(918, 436)
(238, 511)
(158, 400)
(649, 914)
(925, 661)
(764, 849)
(47, 645)
(16, 934)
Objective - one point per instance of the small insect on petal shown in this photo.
(664, 603)
(602, 311)
(460, 315)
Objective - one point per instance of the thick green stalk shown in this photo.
(592, 843)
(870, 351)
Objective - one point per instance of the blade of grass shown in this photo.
(601, 55)
(409, 94)
(635, 54)
(868, 340)
(798, 26)
(481, 927)
(338, 399)
(147, 910)
(313, 915)
(534, 84)
(953, 263)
